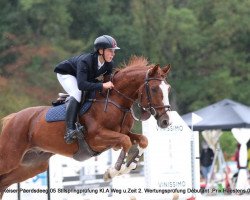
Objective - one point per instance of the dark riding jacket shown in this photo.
(85, 68)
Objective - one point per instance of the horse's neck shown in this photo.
(128, 84)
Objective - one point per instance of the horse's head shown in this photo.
(153, 95)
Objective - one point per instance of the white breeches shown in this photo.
(69, 84)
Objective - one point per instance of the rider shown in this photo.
(78, 74)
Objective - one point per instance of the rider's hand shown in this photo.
(107, 85)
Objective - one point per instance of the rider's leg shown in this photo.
(69, 84)
(71, 115)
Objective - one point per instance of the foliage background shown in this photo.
(206, 42)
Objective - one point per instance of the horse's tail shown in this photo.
(5, 120)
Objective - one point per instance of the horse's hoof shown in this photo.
(106, 176)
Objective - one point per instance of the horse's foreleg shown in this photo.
(142, 142)
(139, 139)
(114, 140)
(133, 161)
(121, 167)
(118, 169)
(111, 139)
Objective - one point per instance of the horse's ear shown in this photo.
(166, 69)
(154, 70)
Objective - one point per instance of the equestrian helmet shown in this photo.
(105, 42)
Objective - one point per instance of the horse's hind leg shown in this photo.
(13, 143)
(25, 171)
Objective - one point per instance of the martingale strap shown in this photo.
(125, 110)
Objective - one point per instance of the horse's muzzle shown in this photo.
(163, 121)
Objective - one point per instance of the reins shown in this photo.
(150, 108)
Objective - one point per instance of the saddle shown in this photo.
(58, 110)
(58, 113)
(62, 98)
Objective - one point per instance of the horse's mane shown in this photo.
(135, 62)
(134, 65)
(5, 120)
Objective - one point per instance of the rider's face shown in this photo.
(108, 54)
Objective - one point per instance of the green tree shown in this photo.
(222, 62)
(207, 42)
(46, 18)
(103, 17)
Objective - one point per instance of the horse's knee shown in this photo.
(126, 143)
(143, 143)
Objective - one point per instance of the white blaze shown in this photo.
(164, 88)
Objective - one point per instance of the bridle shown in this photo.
(150, 108)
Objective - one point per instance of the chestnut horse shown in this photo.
(28, 141)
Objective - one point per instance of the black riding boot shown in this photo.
(71, 115)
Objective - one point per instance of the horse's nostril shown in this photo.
(164, 123)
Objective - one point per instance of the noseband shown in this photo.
(151, 109)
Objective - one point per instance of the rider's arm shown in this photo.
(83, 71)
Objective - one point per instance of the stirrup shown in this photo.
(70, 136)
(73, 134)
(80, 130)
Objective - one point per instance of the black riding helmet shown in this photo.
(105, 42)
